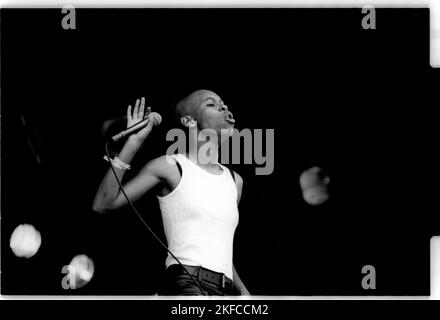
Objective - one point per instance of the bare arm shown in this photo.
(109, 196)
(238, 284)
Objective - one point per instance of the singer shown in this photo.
(198, 202)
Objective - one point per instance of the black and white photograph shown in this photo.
(238, 152)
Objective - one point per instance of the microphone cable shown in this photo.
(145, 223)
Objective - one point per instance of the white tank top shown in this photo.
(200, 216)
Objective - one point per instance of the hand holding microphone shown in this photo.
(139, 123)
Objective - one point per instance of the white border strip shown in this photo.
(214, 298)
(217, 3)
(435, 268)
(435, 34)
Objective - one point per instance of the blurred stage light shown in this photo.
(314, 185)
(25, 241)
(81, 270)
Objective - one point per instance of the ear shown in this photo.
(188, 121)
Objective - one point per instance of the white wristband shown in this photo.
(124, 165)
(118, 163)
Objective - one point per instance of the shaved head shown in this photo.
(204, 109)
(188, 106)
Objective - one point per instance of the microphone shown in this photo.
(156, 118)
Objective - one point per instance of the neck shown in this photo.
(203, 151)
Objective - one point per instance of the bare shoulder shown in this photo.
(239, 184)
(238, 179)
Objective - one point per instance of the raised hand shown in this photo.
(139, 113)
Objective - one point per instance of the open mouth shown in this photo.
(229, 117)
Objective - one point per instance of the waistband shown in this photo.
(203, 274)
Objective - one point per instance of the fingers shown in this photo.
(147, 112)
(129, 112)
(141, 108)
(136, 109)
(140, 112)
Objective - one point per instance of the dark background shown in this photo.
(356, 102)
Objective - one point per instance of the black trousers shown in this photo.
(178, 283)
